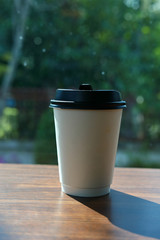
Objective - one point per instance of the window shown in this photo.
(60, 44)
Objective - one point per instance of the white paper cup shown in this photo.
(86, 145)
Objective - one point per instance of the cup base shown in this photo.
(85, 192)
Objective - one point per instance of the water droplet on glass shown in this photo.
(140, 99)
(37, 40)
(44, 50)
(103, 73)
(25, 64)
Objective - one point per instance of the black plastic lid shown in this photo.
(87, 98)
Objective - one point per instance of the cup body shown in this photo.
(86, 146)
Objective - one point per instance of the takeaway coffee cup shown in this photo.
(87, 124)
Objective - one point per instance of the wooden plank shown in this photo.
(32, 206)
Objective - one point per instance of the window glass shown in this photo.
(60, 44)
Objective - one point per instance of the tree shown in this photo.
(19, 17)
(110, 44)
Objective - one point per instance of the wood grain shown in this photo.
(32, 206)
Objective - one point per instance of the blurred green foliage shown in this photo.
(9, 123)
(45, 144)
(110, 44)
(140, 163)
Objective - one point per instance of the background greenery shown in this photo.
(111, 44)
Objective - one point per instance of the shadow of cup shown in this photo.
(127, 212)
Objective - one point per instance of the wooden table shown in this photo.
(32, 206)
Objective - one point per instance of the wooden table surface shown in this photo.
(32, 206)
